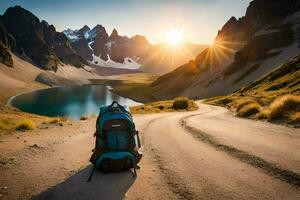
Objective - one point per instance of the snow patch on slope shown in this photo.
(128, 63)
(71, 34)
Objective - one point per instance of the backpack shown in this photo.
(117, 141)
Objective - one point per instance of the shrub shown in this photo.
(249, 109)
(181, 103)
(161, 107)
(282, 105)
(84, 117)
(25, 125)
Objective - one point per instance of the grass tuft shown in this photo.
(247, 108)
(5, 124)
(281, 106)
(240, 105)
(25, 124)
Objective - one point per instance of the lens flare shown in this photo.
(174, 38)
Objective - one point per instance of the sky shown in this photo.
(198, 21)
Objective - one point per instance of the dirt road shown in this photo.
(205, 154)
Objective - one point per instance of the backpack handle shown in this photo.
(114, 102)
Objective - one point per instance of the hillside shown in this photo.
(244, 50)
(163, 58)
(278, 85)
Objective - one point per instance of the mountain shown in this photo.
(244, 50)
(163, 58)
(38, 41)
(99, 48)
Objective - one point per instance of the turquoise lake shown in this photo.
(70, 102)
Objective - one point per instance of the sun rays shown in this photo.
(174, 38)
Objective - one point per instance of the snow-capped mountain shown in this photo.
(98, 48)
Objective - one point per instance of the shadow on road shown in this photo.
(102, 186)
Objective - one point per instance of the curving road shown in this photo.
(210, 154)
(205, 154)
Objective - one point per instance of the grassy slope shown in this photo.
(134, 86)
(162, 106)
(283, 80)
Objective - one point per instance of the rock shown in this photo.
(34, 146)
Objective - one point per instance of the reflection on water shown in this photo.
(71, 102)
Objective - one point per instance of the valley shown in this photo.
(233, 135)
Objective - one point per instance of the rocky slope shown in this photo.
(5, 43)
(244, 50)
(38, 41)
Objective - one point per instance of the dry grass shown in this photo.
(242, 104)
(162, 106)
(284, 105)
(263, 114)
(287, 107)
(55, 120)
(246, 108)
(295, 117)
(249, 109)
(5, 124)
(25, 124)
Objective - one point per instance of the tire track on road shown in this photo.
(257, 162)
(177, 187)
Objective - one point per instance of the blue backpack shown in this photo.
(117, 141)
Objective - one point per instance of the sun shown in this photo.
(174, 38)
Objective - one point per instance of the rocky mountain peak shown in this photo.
(84, 29)
(230, 23)
(98, 27)
(114, 34)
(98, 32)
